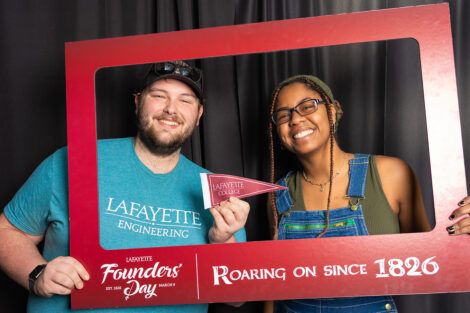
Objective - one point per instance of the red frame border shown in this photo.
(429, 25)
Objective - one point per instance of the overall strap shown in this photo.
(357, 175)
(283, 199)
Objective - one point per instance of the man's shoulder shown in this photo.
(57, 159)
(101, 144)
(115, 142)
(191, 166)
(116, 148)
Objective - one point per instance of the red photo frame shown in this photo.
(368, 265)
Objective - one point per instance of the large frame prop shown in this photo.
(372, 265)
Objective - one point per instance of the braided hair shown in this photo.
(313, 86)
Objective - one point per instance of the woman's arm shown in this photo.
(403, 192)
(268, 306)
(270, 212)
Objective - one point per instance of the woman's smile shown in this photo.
(298, 135)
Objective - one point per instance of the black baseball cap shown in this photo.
(178, 70)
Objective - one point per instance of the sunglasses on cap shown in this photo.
(178, 70)
(170, 68)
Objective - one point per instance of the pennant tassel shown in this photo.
(205, 191)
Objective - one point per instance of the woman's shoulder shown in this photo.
(393, 170)
(397, 180)
(388, 163)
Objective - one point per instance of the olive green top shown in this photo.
(378, 215)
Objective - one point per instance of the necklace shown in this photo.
(329, 180)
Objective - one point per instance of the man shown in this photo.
(149, 196)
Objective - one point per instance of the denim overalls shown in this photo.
(347, 221)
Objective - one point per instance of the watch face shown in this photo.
(33, 276)
(37, 271)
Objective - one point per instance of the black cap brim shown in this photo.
(151, 78)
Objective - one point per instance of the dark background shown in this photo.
(378, 85)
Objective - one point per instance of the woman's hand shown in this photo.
(463, 225)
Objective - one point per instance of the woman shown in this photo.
(335, 193)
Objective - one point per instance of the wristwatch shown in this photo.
(34, 275)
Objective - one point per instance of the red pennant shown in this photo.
(219, 187)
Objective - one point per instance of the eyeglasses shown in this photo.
(166, 68)
(305, 107)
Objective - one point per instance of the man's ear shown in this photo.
(137, 101)
(199, 114)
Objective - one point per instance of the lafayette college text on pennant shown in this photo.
(219, 187)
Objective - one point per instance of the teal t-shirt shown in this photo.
(137, 209)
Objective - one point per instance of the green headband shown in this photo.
(317, 81)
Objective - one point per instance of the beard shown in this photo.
(154, 143)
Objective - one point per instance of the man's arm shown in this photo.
(19, 255)
(18, 252)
